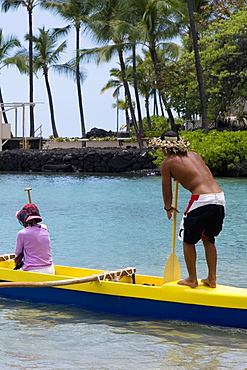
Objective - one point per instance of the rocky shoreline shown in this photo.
(95, 160)
(85, 160)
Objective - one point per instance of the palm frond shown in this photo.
(68, 70)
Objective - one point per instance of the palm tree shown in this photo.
(117, 84)
(123, 24)
(145, 76)
(103, 24)
(123, 105)
(198, 67)
(30, 5)
(46, 56)
(7, 45)
(156, 24)
(127, 26)
(75, 12)
(135, 83)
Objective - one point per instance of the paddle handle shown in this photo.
(29, 194)
(174, 225)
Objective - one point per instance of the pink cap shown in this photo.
(34, 217)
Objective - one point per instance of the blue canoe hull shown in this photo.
(130, 306)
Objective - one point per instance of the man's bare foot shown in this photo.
(189, 282)
(209, 282)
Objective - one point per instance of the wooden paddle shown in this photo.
(112, 275)
(29, 194)
(172, 268)
(19, 258)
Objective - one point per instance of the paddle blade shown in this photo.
(172, 269)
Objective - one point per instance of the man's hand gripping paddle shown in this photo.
(172, 268)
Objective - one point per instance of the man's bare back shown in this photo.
(191, 172)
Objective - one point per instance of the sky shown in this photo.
(15, 87)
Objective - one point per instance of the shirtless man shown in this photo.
(204, 215)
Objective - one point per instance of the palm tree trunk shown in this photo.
(2, 107)
(127, 119)
(53, 124)
(156, 111)
(159, 85)
(30, 21)
(198, 67)
(147, 112)
(138, 105)
(161, 106)
(78, 83)
(128, 95)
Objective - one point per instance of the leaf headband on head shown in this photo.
(172, 143)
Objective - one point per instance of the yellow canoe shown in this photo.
(123, 292)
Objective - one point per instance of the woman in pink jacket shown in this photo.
(33, 247)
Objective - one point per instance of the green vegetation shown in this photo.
(159, 124)
(59, 139)
(107, 138)
(220, 150)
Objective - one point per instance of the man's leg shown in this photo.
(211, 257)
(190, 260)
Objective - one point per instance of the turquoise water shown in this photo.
(110, 222)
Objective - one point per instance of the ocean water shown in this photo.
(111, 222)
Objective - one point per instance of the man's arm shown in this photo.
(166, 185)
(167, 188)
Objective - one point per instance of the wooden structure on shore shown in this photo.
(10, 140)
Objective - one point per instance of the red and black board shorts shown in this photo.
(203, 221)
